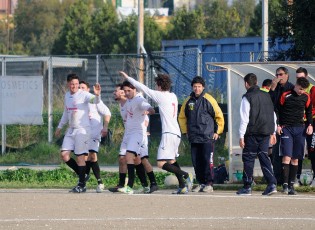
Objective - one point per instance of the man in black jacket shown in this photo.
(257, 130)
(279, 85)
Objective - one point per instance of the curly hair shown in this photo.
(164, 81)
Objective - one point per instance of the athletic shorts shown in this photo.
(76, 140)
(131, 142)
(94, 145)
(144, 152)
(168, 149)
(292, 142)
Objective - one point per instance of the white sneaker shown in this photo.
(313, 183)
(199, 188)
(208, 189)
(126, 190)
(100, 188)
(142, 190)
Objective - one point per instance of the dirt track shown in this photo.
(58, 209)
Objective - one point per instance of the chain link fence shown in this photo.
(181, 65)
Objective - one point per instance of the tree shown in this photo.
(127, 35)
(187, 24)
(296, 25)
(245, 9)
(37, 24)
(76, 36)
(221, 20)
(104, 27)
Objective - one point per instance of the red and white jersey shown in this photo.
(168, 106)
(135, 117)
(96, 115)
(76, 109)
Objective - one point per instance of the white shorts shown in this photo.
(144, 147)
(76, 140)
(168, 149)
(94, 145)
(131, 142)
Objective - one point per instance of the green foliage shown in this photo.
(187, 24)
(76, 36)
(295, 23)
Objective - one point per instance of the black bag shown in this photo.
(220, 174)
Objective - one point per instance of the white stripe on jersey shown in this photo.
(168, 106)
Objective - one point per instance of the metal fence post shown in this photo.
(3, 127)
(97, 68)
(199, 62)
(50, 99)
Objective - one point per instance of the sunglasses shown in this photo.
(279, 74)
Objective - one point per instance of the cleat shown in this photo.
(181, 191)
(115, 189)
(189, 181)
(207, 189)
(100, 188)
(142, 190)
(244, 192)
(271, 189)
(292, 191)
(126, 190)
(153, 188)
(285, 189)
(78, 189)
(199, 188)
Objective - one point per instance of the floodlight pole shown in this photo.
(140, 39)
(265, 47)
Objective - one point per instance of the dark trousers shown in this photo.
(277, 161)
(257, 145)
(202, 159)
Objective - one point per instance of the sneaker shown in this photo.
(312, 183)
(285, 189)
(207, 188)
(142, 190)
(199, 188)
(115, 189)
(189, 181)
(244, 192)
(153, 188)
(297, 183)
(271, 189)
(292, 191)
(78, 189)
(181, 191)
(100, 188)
(126, 190)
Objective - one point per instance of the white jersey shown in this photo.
(168, 106)
(76, 109)
(135, 117)
(96, 114)
(123, 112)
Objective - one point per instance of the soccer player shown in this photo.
(292, 130)
(168, 148)
(76, 114)
(98, 113)
(136, 109)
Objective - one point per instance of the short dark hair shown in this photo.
(84, 82)
(120, 85)
(72, 76)
(303, 82)
(128, 84)
(250, 79)
(285, 70)
(164, 81)
(198, 79)
(267, 82)
(302, 70)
